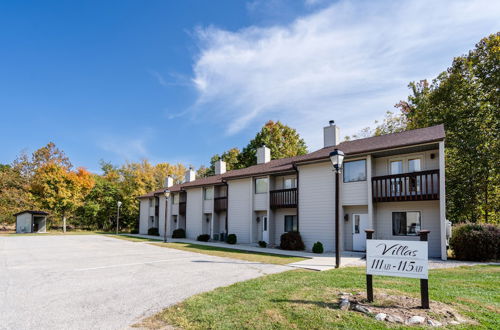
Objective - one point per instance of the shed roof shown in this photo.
(31, 212)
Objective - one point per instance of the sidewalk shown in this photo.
(324, 261)
(320, 262)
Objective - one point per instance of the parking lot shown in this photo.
(95, 281)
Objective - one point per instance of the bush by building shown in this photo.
(292, 241)
(179, 233)
(203, 238)
(318, 247)
(231, 239)
(475, 242)
(153, 231)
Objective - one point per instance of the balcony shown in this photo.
(182, 208)
(220, 204)
(415, 186)
(283, 198)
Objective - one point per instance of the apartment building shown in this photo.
(394, 184)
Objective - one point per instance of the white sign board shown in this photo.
(397, 258)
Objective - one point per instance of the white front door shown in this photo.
(265, 229)
(359, 225)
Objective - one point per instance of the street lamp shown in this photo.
(337, 158)
(118, 216)
(166, 193)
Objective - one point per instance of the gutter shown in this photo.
(298, 195)
(227, 208)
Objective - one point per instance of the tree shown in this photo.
(14, 195)
(283, 141)
(59, 189)
(392, 123)
(466, 99)
(231, 157)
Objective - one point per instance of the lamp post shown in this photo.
(166, 193)
(118, 204)
(337, 158)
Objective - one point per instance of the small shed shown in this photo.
(31, 221)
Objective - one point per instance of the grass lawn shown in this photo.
(308, 300)
(221, 252)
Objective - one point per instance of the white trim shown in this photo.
(442, 200)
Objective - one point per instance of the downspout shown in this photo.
(297, 171)
(227, 207)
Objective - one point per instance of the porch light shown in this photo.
(337, 158)
(166, 193)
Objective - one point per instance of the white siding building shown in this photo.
(393, 184)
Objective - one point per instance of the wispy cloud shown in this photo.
(128, 148)
(350, 61)
(175, 79)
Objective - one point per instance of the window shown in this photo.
(355, 171)
(290, 183)
(406, 223)
(150, 202)
(397, 167)
(261, 185)
(176, 198)
(356, 223)
(291, 223)
(208, 193)
(414, 165)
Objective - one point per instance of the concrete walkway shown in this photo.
(319, 262)
(325, 261)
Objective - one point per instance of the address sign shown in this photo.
(397, 258)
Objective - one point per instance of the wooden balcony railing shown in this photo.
(415, 186)
(182, 208)
(283, 198)
(220, 204)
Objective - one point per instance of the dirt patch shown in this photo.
(400, 309)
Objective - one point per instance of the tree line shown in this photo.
(47, 180)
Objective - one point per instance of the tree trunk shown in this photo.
(64, 223)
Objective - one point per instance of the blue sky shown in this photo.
(178, 81)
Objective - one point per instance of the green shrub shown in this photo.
(134, 231)
(203, 238)
(475, 242)
(231, 239)
(292, 241)
(153, 231)
(262, 244)
(179, 233)
(318, 247)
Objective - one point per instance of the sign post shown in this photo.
(398, 258)
(369, 278)
(424, 282)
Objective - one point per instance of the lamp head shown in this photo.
(119, 203)
(337, 158)
(166, 193)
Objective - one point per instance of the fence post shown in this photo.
(369, 278)
(424, 283)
